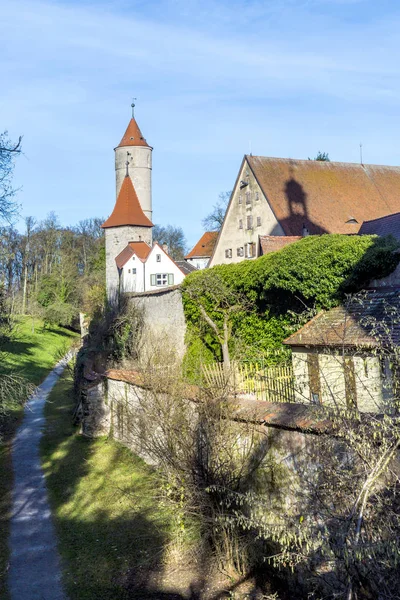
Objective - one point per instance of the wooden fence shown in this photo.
(272, 384)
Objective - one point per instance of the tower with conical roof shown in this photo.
(134, 149)
(130, 220)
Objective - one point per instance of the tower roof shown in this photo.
(127, 209)
(133, 136)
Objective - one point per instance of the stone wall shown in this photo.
(164, 321)
(286, 433)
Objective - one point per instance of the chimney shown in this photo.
(165, 248)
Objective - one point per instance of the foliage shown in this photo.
(60, 313)
(8, 151)
(53, 265)
(213, 221)
(280, 286)
(173, 237)
(321, 156)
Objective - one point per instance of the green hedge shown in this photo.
(313, 273)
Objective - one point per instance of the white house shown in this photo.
(143, 268)
(200, 254)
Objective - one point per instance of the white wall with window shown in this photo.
(132, 275)
(161, 270)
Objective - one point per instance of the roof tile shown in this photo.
(326, 197)
(127, 209)
(205, 246)
(133, 136)
(367, 320)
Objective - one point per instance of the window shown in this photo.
(250, 222)
(257, 196)
(158, 257)
(258, 221)
(240, 224)
(249, 250)
(129, 270)
(228, 253)
(161, 279)
(133, 271)
(248, 198)
(239, 251)
(240, 198)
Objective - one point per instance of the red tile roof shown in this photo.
(326, 197)
(272, 243)
(140, 249)
(365, 321)
(133, 136)
(389, 225)
(205, 246)
(127, 209)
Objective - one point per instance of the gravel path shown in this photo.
(34, 572)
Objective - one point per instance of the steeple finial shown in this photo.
(127, 169)
(133, 107)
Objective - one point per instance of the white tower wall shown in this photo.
(139, 158)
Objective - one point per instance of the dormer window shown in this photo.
(352, 220)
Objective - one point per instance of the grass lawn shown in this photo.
(33, 350)
(112, 529)
(31, 355)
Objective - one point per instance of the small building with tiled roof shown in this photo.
(344, 356)
(291, 198)
(144, 268)
(200, 254)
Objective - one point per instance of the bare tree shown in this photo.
(8, 152)
(213, 221)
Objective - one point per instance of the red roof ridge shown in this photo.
(127, 209)
(321, 163)
(133, 136)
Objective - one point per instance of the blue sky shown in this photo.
(213, 79)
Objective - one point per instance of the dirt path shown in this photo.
(34, 572)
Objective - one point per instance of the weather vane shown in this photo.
(133, 107)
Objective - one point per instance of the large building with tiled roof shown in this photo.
(290, 198)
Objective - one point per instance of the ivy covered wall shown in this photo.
(270, 297)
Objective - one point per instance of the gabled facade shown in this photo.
(143, 268)
(285, 197)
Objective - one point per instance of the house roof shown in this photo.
(272, 243)
(389, 225)
(326, 197)
(367, 320)
(127, 209)
(205, 246)
(140, 249)
(133, 136)
(185, 267)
